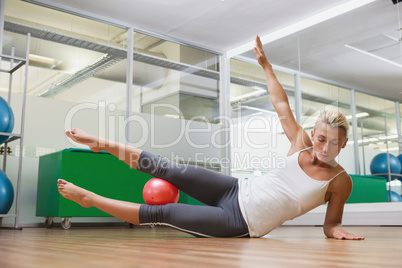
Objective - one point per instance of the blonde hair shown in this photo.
(333, 118)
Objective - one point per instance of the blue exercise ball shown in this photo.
(6, 193)
(395, 197)
(400, 160)
(6, 119)
(379, 164)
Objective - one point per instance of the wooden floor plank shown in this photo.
(164, 247)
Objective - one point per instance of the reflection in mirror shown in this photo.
(258, 141)
(175, 80)
(357, 52)
(72, 58)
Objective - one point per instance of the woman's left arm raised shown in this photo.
(341, 189)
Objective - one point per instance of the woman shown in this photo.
(239, 207)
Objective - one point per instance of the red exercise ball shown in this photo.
(160, 192)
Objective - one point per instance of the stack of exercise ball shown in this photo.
(400, 160)
(379, 165)
(6, 187)
(6, 193)
(395, 197)
(6, 119)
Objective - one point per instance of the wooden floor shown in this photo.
(164, 247)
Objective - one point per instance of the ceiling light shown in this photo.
(259, 110)
(40, 61)
(359, 115)
(388, 137)
(175, 116)
(247, 95)
(301, 25)
(390, 149)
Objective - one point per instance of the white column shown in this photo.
(225, 112)
(354, 129)
(298, 99)
(2, 10)
(129, 78)
(398, 125)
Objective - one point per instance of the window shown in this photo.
(258, 141)
(72, 58)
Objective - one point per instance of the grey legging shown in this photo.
(220, 218)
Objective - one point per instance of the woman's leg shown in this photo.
(223, 220)
(127, 154)
(207, 186)
(204, 221)
(125, 211)
(201, 221)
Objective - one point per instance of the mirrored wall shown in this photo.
(83, 64)
(77, 60)
(319, 66)
(257, 137)
(71, 58)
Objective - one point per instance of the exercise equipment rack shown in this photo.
(15, 64)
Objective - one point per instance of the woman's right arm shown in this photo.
(279, 99)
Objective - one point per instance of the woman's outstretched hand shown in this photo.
(259, 52)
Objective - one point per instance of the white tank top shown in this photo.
(268, 201)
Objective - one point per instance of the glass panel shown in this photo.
(400, 130)
(76, 75)
(317, 97)
(378, 135)
(71, 58)
(174, 80)
(258, 142)
(400, 111)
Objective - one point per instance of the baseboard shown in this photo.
(354, 214)
(357, 214)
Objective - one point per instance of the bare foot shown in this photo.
(74, 193)
(82, 137)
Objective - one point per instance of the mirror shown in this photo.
(360, 50)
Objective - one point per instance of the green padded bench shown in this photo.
(368, 189)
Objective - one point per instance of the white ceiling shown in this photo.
(221, 25)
